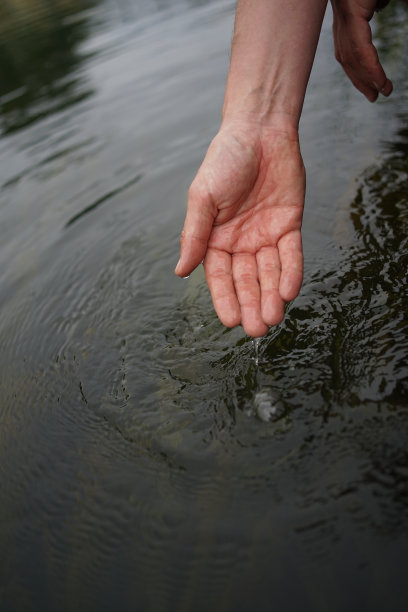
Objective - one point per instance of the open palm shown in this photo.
(243, 219)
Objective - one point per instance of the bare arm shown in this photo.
(245, 205)
(272, 54)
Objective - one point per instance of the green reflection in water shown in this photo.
(39, 59)
(391, 31)
(167, 494)
(350, 323)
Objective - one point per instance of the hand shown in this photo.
(243, 218)
(354, 48)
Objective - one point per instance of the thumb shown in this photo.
(196, 232)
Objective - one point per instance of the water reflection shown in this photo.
(152, 459)
(390, 37)
(341, 352)
(39, 59)
(351, 321)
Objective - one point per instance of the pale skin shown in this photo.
(245, 204)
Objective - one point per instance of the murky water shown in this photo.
(150, 459)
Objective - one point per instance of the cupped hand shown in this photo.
(243, 219)
(354, 48)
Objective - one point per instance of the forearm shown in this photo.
(272, 54)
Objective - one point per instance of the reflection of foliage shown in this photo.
(344, 340)
(38, 54)
(379, 215)
(390, 33)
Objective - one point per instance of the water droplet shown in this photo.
(256, 342)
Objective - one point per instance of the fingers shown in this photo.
(218, 272)
(369, 91)
(248, 291)
(252, 289)
(357, 54)
(197, 228)
(269, 271)
(291, 257)
(369, 77)
(244, 289)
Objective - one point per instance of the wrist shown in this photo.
(268, 73)
(278, 123)
(274, 98)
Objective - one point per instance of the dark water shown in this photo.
(149, 458)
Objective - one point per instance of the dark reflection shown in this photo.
(142, 466)
(344, 342)
(102, 200)
(389, 35)
(39, 58)
(350, 327)
(376, 279)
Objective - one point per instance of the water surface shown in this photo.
(150, 458)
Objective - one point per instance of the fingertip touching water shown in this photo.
(245, 204)
(151, 457)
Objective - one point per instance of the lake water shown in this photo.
(151, 459)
